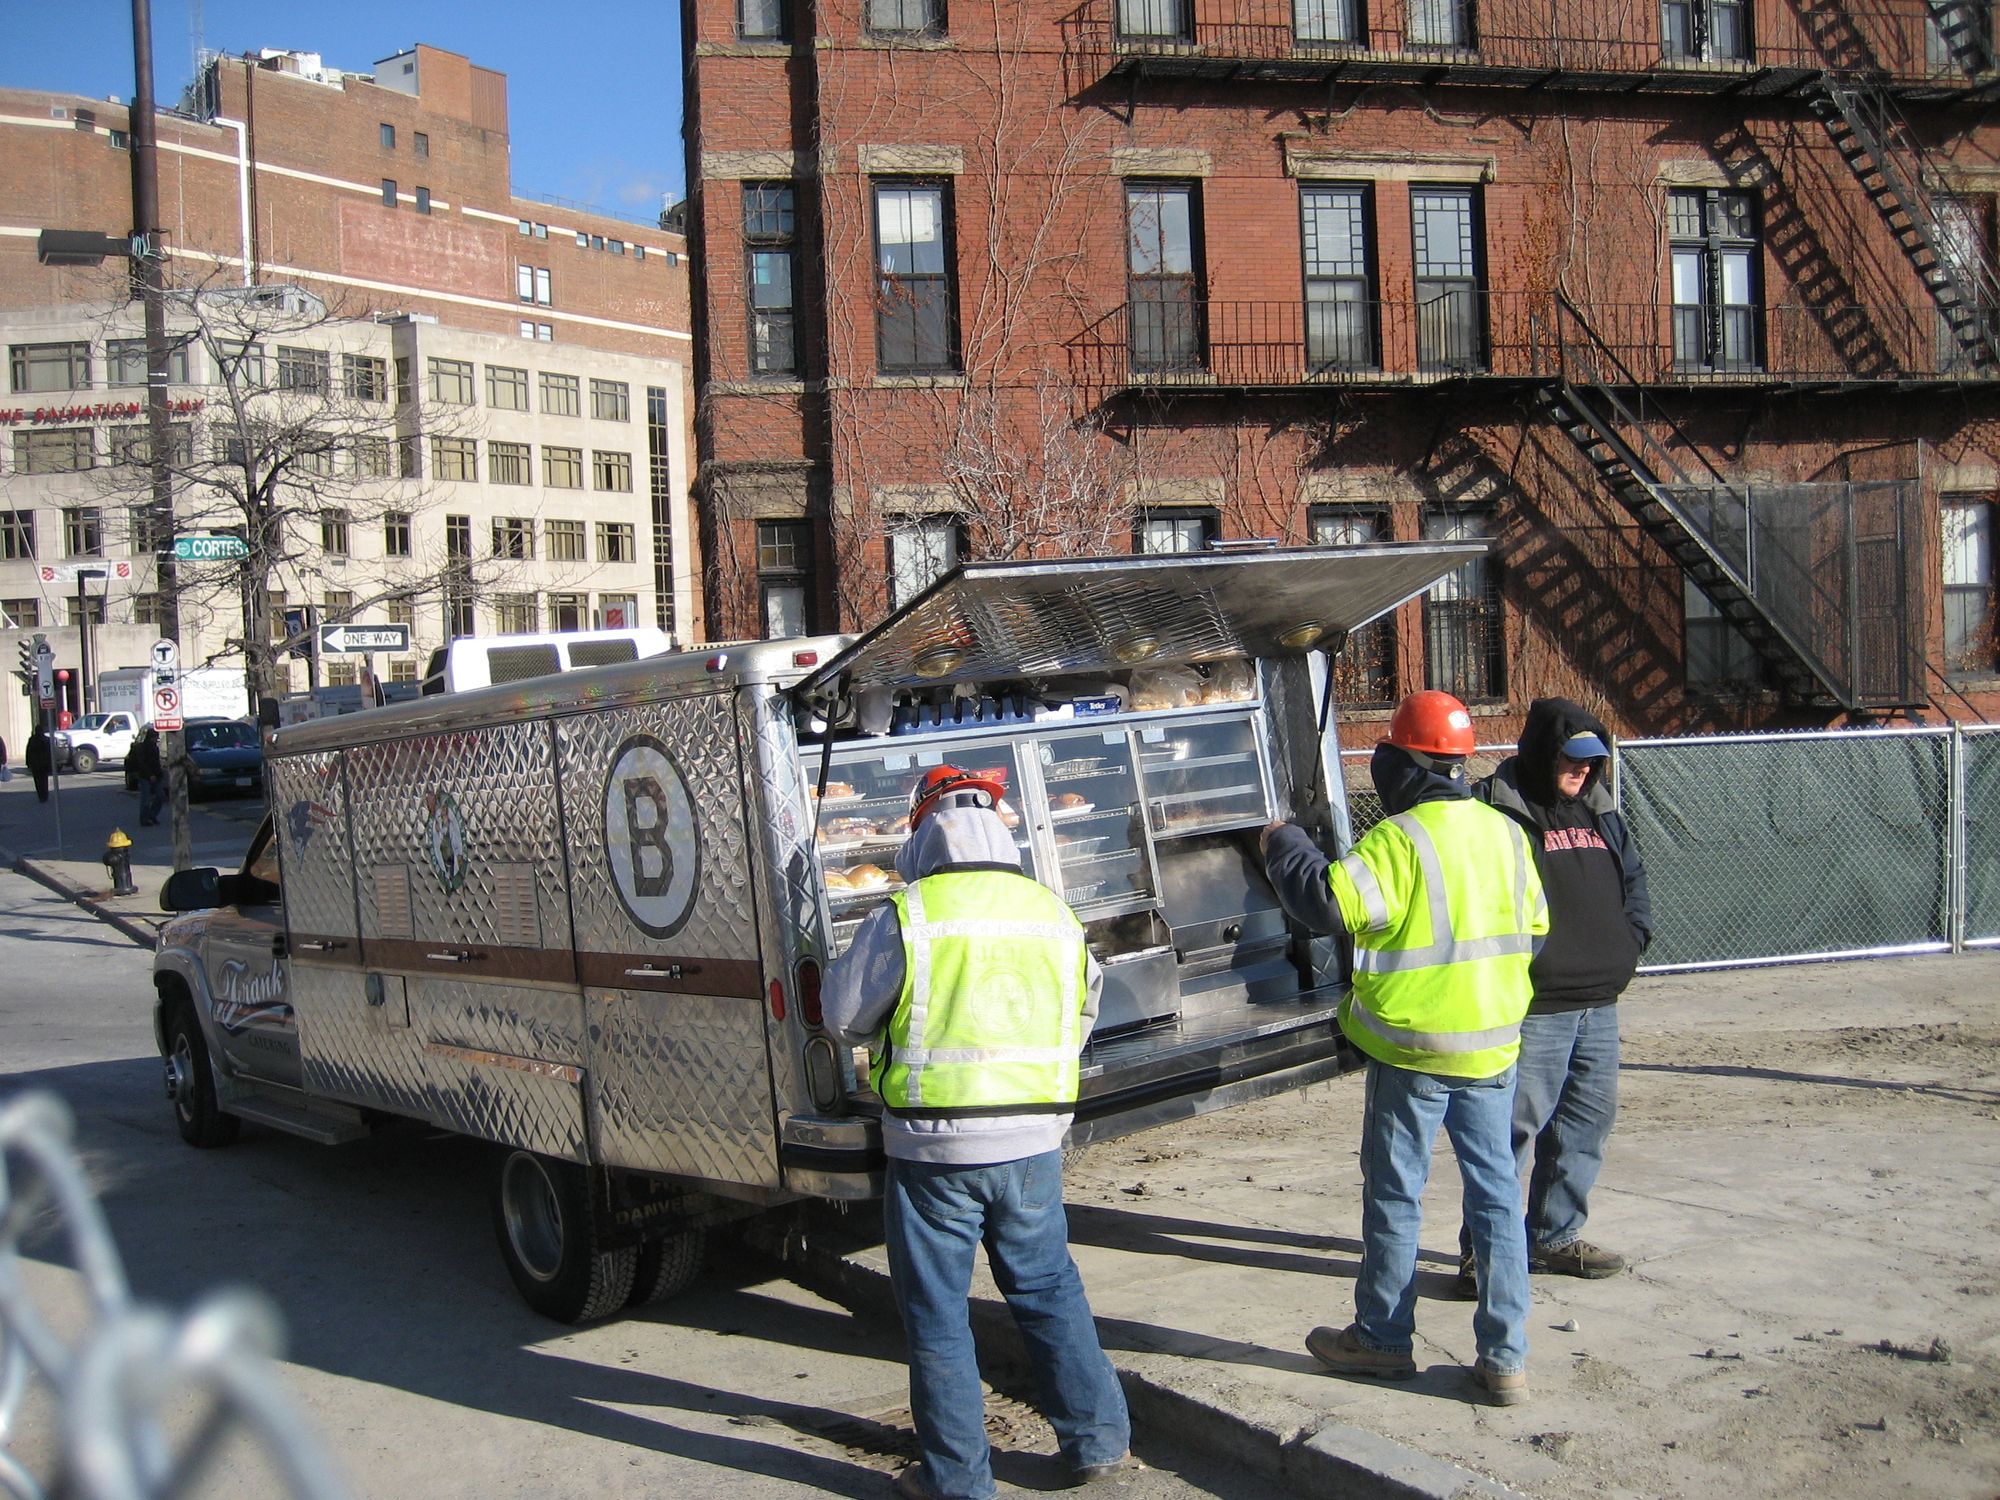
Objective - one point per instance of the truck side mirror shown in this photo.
(191, 890)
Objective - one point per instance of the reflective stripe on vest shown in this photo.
(1457, 1001)
(990, 1019)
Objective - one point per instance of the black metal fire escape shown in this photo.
(1886, 158)
(1702, 520)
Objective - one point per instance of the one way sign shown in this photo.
(356, 638)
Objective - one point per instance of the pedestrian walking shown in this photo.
(41, 760)
(1445, 909)
(1601, 921)
(150, 775)
(975, 991)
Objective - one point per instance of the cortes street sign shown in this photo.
(354, 638)
(210, 549)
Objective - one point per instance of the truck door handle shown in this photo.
(319, 947)
(648, 971)
(454, 956)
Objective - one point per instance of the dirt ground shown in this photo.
(1804, 1176)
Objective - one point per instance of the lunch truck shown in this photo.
(584, 917)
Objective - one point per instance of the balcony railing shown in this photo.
(1577, 43)
(1195, 343)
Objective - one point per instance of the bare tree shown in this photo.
(300, 437)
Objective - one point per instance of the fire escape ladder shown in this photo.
(1703, 521)
(1875, 141)
(1961, 25)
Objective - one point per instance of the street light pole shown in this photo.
(151, 267)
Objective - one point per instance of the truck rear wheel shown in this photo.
(191, 1083)
(84, 759)
(542, 1214)
(667, 1263)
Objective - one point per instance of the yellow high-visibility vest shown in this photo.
(1444, 902)
(990, 1020)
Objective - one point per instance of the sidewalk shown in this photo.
(1804, 1176)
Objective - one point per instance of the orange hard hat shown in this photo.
(1433, 722)
(941, 781)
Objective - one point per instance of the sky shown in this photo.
(593, 88)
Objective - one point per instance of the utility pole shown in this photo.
(150, 263)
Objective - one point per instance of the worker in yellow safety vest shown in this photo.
(975, 992)
(1445, 909)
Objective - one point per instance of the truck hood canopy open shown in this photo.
(988, 621)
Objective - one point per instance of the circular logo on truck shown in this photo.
(650, 838)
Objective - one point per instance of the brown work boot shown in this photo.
(1577, 1258)
(1465, 1285)
(1341, 1350)
(1501, 1387)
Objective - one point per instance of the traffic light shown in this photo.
(26, 671)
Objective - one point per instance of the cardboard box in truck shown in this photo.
(585, 917)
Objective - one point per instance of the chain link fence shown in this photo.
(145, 1402)
(1788, 847)
(1979, 844)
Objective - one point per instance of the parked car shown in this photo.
(94, 739)
(224, 757)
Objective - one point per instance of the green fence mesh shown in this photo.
(1982, 835)
(1794, 846)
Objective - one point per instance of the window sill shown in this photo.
(892, 42)
(920, 382)
(743, 49)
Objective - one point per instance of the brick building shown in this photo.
(511, 375)
(1687, 307)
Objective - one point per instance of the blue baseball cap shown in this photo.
(1585, 746)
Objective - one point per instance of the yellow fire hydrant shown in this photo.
(118, 860)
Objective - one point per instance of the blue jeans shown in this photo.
(152, 798)
(1400, 1118)
(936, 1216)
(1564, 1106)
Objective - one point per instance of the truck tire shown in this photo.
(667, 1263)
(548, 1238)
(83, 759)
(191, 1083)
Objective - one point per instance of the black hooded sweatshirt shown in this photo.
(1600, 915)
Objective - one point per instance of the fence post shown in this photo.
(1955, 841)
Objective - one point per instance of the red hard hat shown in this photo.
(1435, 723)
(941, 781)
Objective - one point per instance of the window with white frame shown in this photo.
(1336, 226)
(1364, 669)
(1165, 532)
(1713, 253)
(1969, 639)
(922, 549)
(1325, 21)
(531, 284)
(923, 18)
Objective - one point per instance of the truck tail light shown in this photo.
(777, 1000)
(807, 987)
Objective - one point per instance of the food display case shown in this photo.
(1113, 815)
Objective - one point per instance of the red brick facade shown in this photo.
(1574, 157)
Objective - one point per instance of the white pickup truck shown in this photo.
(95, 739)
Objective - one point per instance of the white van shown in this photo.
(481, 661)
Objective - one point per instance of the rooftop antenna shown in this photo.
(195, 37)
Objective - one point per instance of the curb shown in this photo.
(1319, 1459)
(140, 931)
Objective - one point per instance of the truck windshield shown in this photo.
(224, 736)
(92, 721)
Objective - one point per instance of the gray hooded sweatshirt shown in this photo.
(861, 988)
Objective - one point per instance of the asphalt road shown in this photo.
(408, 1349)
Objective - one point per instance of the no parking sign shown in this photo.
(166, 707)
